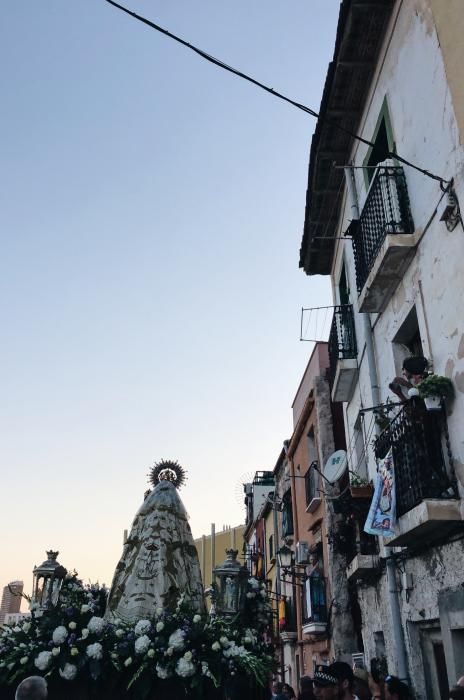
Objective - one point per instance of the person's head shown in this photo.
(395, 689)
(360, 684)
(32, 688)
(344, 674)
(306, 684)
(288, 691)
(325, 684)
(277, 688)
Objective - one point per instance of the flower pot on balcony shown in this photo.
(361, 491)
(432, 403)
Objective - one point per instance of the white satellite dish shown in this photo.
(335, 466)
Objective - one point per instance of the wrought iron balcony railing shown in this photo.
(386, 211)
(421, 457)
(342, 338)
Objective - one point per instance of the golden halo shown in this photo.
(167, 470)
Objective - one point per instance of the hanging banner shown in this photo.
(381, 519)
(282, 618)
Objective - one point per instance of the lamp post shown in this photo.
(48, 579)
(231, 582)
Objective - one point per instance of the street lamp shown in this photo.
(231, 584)
(285, 556)
(48, 579)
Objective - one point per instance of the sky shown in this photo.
(151, 214)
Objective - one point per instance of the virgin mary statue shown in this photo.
(159, 562)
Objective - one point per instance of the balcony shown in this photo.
(314, 606)
(426, 496)
(342, 353)
(312, 490)
(383, 239)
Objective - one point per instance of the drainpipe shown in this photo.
(277, 564)
(393, 597)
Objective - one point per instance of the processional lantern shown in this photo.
(231, 584)
(48, 579)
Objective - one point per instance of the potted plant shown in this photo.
(433, 389)
(359, 486)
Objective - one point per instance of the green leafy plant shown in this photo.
(358, 480)
(436, 385)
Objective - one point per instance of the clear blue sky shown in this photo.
(151, 211)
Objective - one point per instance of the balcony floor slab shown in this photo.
(314, 628)
(388, 270)
(344, 381)
(362, 565)
(429, 519)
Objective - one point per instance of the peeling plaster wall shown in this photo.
(411, 75)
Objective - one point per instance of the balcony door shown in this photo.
(436, 676)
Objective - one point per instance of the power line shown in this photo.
(262, 86)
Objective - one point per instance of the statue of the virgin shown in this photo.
(159, 562)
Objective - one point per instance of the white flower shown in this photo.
(43, 660)
(215, 646)
(96, 625)
(159, 626)
(151, 653)
(142, 627)
(72, 625)
(159, 611)
(59, 635)
(85, 608)
(141, 644)
(251, 594)
(24, 660)
(177, 640)
(56, 651)
(196, 618)
(119, 633)
(17, 629)
(224, 641)
(26, 627)
(253, 583)
(38, 613)
(162, 671)
(170, 651)
(185, 668)
(68, 672)
(188, 655)
(34, 606)
(94, 651)
(85, 633)
(128, 661)
(263, 594)
(74, 651)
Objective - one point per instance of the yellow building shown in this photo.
(212, 548)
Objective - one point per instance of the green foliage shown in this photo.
(436, 385)
(72, 645)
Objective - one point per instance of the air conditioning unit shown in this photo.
(248, 488)
(302, 553)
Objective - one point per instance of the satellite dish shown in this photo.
(335, 466)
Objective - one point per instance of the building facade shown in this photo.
(11, 599)
(383, 220)
(212, 548)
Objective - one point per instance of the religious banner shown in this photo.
(381, 519)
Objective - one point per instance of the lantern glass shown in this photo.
(48, 579)
(285, 555)
(231, 581)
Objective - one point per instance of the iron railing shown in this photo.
(386, 211)
(314, 600)
(417, 438)
(342, 338)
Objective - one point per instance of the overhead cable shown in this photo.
(279, 95)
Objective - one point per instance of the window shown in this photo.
(383, 143)
(271, 547)
(407, 340)
(314, 600)
(287, 514)
(360, 456)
